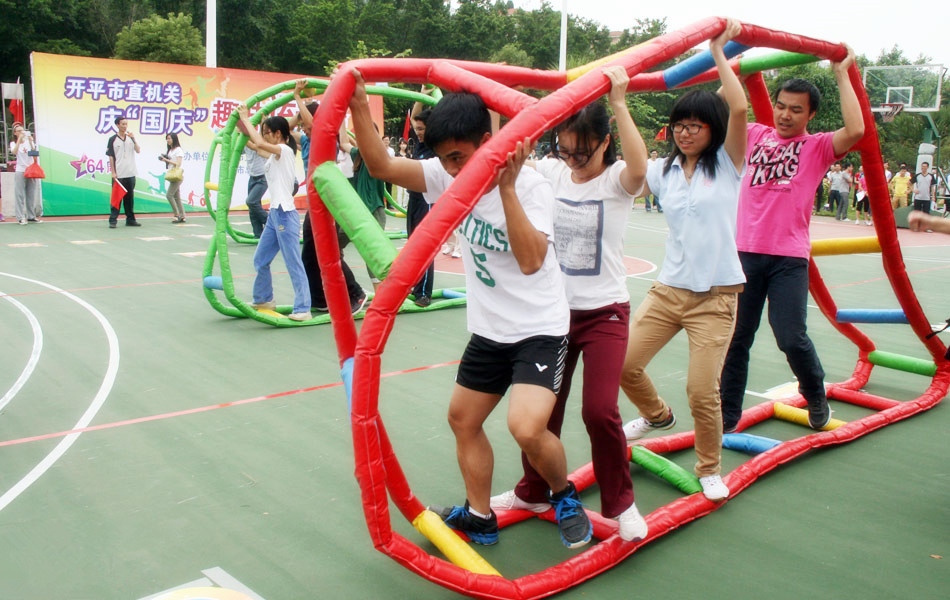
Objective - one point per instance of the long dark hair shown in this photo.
(707, 108)
(175, 143)
(281, 126)
(591, 125)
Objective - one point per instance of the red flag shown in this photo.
(118, 193)
(405, 130)
(661, 136)
(16, 107)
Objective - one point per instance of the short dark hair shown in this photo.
(458, 116)
(925, 163)
(423, 115)
(312, 107)
(591, 125)
(119, 118)
(801, 86)
(708, 108)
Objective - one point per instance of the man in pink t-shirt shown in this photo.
(785, 165)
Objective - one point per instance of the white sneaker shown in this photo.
(446, 249)
(456, 253)
(633, 527)
(637, 428)
(713, 488)
(271, 305)
(510, 501)
(857, 221)
(868, 223)
(301, 316)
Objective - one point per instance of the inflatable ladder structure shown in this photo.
(379, 474)
(370, 240)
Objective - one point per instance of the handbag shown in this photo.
(34, 171)
(174, 174)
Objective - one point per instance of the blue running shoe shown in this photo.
(479, 530)
(573, 523)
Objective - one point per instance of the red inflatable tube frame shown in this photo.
(378, 472)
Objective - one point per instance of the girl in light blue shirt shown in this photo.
(701, 276)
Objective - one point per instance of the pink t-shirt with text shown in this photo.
(778, 190)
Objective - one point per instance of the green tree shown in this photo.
(479, 28)
(511, 54)
(155, 39)
(323, 32)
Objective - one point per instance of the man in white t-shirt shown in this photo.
(517, 309)
(121, 150)
(925, 184)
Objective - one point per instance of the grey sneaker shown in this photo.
(510, 501)
(819, 416)
(301, 316)
(637, 428)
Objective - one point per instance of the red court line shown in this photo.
(201, 409)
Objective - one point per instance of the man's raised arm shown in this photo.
(401, 171)
(852, 132)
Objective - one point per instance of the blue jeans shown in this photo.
(256, 186)
(783, 280)
(282, 232)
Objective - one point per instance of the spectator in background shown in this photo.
(924, 187)
(173, 158)
(24, 188)
(121, 150)
(900, 185)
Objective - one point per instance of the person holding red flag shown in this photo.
(121, 150)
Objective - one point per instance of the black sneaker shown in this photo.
(573, 523)
(132, 224)
(320, 308)
(479, 530)
(423, 301)
(819, 416)
(358, 304)
(112, 225)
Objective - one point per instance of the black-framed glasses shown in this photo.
(578, 157)
(690, 128)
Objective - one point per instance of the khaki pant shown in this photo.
(709, 319)
(898, 201)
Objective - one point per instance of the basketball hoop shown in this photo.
(891, 110)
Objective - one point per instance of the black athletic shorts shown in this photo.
(491, 367)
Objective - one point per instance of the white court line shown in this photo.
(34, 355)
(107, 382)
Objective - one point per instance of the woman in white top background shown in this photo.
(173, 157)
(282, 230)
(701, 277)
(25, 188)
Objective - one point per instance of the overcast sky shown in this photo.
(915, 26)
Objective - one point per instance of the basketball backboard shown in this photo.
(917, 87)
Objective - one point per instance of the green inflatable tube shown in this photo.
(354, 218)
(902, 363)
(663, 467)
(776, 60)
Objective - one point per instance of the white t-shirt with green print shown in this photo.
(505, 305)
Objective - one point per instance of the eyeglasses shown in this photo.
(578, 157)
(691, 128)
